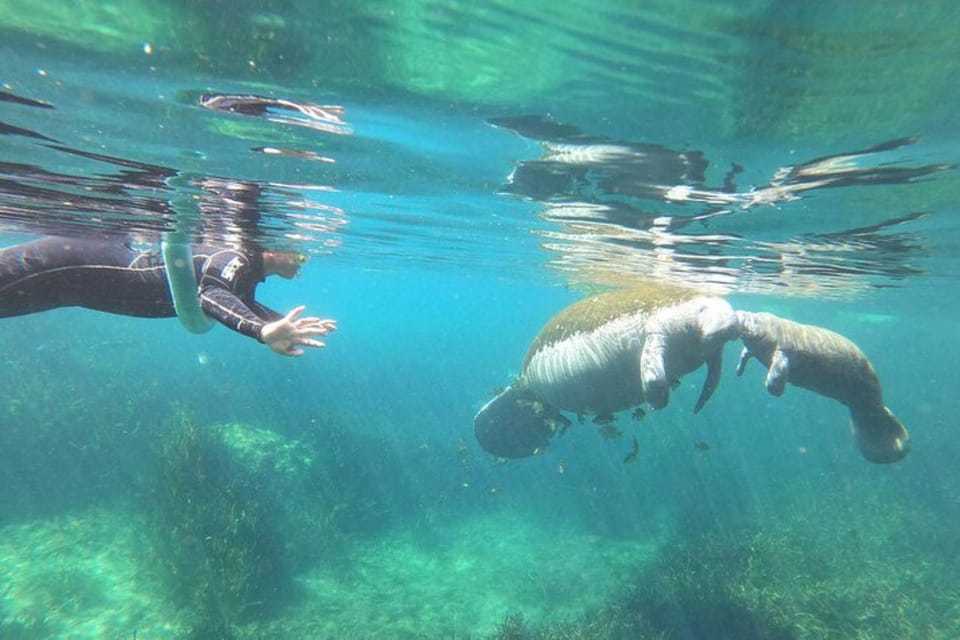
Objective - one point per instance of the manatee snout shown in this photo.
(718, 324)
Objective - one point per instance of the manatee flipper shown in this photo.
(653, 375)
(714, 368)
(777, 373)
(745, 356)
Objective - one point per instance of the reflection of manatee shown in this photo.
(608, 353)
(831, 365)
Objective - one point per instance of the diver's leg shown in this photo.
(22, 281)
(52, 272)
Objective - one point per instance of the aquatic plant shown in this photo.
(513, 627)
(359, 475)
(696, 590)
(800, 572)
(63, 433)
(222, 557)
(27, 629)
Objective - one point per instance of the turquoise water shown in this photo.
(474, 169)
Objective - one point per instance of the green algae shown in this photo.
(218, 545)
(859, 564)
(590, 313)
(807, 572)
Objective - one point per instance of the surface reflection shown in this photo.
(105, 193)
(624, 210)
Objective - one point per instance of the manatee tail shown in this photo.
(515, 425)
(880, 436)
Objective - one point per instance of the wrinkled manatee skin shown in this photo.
(831, 365)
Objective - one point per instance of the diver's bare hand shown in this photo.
(287, 335)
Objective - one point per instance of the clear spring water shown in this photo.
(459, 172)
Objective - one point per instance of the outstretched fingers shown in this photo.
(289, 334)
(295, 313)
(316, 326)
(312, 329)
(306, 328)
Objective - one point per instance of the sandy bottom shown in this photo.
(80, 576)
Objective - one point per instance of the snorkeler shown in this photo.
(112, 274)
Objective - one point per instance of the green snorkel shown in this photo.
(181, 276)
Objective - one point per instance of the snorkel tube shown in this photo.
(181, 277)
(182, 280)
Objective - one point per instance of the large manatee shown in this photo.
(831, 365)
(607, 353)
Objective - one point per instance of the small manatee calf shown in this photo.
(604, 354)
(829, 364)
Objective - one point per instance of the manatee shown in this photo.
(607, 353)
(828, 364)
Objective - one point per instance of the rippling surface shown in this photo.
(627, 210)
(711, 145)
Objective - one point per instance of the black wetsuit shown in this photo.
(117, 277)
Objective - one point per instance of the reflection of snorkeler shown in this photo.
(107, 273)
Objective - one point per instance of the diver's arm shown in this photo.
(286, 335)
(229, 310)
(228, 280)
(264, 312)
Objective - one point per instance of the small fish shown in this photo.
(603, 418)
(537, 407)
(701, 445)
(463, 452)
(639, 414)
(633, 453)
(609, 431)
(559, 425)
(561, 468)
(675, 384)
